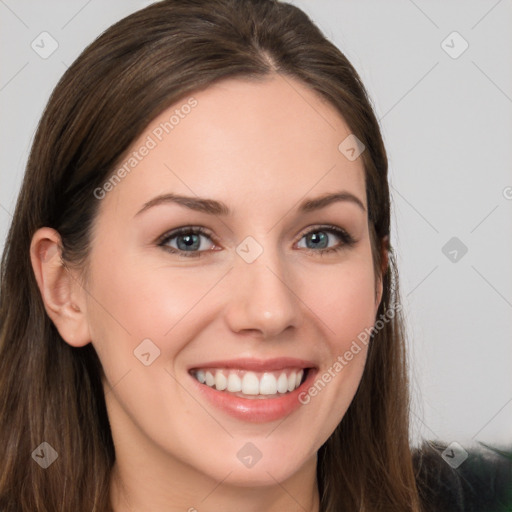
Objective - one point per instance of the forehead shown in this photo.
(242, 140)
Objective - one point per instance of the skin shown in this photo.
(245, 143)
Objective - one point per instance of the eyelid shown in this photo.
(185, 229)
(323, 227)
(347, 240)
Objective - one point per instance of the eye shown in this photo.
(187, 241)
(318, 238)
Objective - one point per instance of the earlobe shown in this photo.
(62, 295)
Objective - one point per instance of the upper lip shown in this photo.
(257, 365)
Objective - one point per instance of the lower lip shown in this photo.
(256, 410)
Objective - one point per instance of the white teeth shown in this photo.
(291, 381)
(210, 379)
(298, 378)
(234, 383)
(251, 383)
(200, 376)
(268, 384)
(221, 383)
(282, 383)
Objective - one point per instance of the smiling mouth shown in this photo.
(251, 384)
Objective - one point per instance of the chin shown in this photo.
(258, 469)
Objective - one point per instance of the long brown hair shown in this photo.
(51, 392)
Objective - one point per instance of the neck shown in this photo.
(137, 489)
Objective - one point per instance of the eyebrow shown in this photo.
(213, 207)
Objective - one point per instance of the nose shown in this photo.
(262, 299)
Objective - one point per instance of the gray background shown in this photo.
(447, 124)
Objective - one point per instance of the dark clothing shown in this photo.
(481, 483)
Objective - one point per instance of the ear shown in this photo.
(62, 294)
(384, 256)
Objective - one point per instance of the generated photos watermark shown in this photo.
(363, 338)
(135, 157)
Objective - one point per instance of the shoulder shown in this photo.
(454, 478)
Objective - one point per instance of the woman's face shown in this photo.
(278, 288)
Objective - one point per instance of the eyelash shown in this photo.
(346, 239)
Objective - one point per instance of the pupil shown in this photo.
(188, 241)
(315, 238)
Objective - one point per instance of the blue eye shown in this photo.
(317, 239)
(188, 240)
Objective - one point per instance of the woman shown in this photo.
(200, 305)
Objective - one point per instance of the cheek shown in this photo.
(343, 297)
(139, 301)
